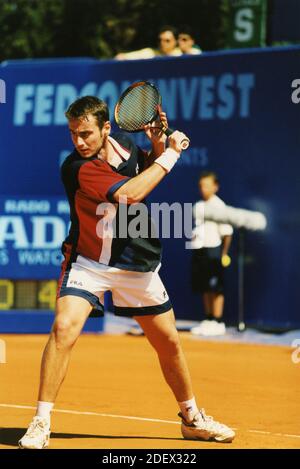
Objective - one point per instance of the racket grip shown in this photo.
(185, 142)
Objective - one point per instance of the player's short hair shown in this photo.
(209, 174)
(88, 105)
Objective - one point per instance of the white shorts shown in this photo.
(133, 293)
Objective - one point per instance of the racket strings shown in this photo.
(137, 108)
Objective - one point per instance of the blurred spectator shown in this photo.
(167, 38)
(210, 245)
(187, 41)
(167, 46)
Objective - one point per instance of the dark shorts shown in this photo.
(207, 273)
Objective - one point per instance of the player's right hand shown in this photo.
(175, 140)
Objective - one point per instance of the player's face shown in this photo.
(208, 187)
(87, 138)
(167, 42)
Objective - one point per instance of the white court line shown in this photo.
(274, 434)
(96, 414)
(128, 417)
(259, 431)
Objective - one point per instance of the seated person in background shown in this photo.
(167, 39)
(186, 41)
(167, 46)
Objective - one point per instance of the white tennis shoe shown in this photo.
(206, 428)
(209, 328)
(37, 435)
(197, 330)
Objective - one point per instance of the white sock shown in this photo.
(188, 409)
(44, 409)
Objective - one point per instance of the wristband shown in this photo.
(167, 159)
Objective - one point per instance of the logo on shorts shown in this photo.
(76, 282)
(165, 294)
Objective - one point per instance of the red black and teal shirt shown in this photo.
(90, 182)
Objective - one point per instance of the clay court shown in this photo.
(114, 395)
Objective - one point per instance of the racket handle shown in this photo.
(185, 142)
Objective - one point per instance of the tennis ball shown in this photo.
(226, 261)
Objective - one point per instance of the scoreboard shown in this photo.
(27, 294)
(27, 306)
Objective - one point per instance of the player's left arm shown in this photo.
(157, 138)
(137, 188)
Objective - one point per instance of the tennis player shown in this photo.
(105, 169)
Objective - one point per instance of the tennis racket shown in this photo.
(138, 106)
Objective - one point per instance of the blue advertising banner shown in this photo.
(241, 112)
(31, 234)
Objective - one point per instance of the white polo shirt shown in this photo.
(208, 234)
